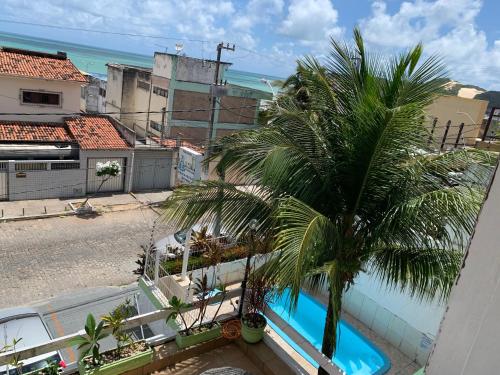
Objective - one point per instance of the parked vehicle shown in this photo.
(173, 245)
(24, 327)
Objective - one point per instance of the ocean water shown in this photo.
(93, 59)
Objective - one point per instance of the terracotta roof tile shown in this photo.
(95, 133)
(38, 65)
(21, 131)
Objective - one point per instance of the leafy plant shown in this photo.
(200, 240)
(16, 358)
(203, 291)
(177, 305)
(258, 294)
(115, 319)
(89, 344)
(54, 368)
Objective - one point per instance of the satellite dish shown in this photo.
(179, 47)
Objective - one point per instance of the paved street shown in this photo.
(49, 257)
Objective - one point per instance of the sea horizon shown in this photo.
(93, 60)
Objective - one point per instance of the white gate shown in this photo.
(151, 173)
(4, 192)
(93, 181)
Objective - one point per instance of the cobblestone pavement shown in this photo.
(43, 258)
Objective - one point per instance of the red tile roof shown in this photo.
(95, 133)
(21, 131)
(14, 62)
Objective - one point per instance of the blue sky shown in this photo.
(271, 34)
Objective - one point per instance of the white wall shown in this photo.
(423, 315)
(470, 331)
(163, 65)
(10, 100)
(114, 90)
(407, 323)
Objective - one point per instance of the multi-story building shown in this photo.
(37, 82)
(455, 111)
(94, 95)
(183, 86)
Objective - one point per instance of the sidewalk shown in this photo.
(39, 208)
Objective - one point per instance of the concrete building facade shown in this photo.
(457, 110)
(58, 160)
(94, 95)
(468, 337)
(183, 87)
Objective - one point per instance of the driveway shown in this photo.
(44, 258)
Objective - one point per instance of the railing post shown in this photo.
(432, 130)
(185, 254)
(459, 134)
(157, 267)
(488, 124)
(445, 135)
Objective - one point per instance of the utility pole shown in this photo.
(210, 134)
(163, 118)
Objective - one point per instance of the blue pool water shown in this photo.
(355, 354)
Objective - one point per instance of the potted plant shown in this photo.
(199, 330)
(258, 294)
(128, 355)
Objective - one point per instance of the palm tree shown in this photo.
(348, 183)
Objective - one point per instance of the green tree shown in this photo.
(347, 183)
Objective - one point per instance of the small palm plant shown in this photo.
(178, 306)
(89, 344)
(115, 319)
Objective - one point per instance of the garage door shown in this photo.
(4, 194)
(151, 173)
(93, 181)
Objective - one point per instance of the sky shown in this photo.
(270, 35)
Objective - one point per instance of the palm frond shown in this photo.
(424, 273)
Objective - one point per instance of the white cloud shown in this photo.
(257, 11)
(311, 21)
(447, 28)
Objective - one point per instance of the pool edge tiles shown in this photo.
(356, 354)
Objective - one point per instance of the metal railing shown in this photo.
(64, 342)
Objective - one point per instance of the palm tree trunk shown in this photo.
(332, 319)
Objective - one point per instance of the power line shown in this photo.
(83, 114)
(100, 31)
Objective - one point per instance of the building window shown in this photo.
(143, 85)
(31, 167)
(159, 91)
(68, 165)
(83, 90)
(41, 98)
(155, 125)
(102, 92)
(145, 76)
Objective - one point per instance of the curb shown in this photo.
(35, 217)
(100, 209)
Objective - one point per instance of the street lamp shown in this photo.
(252, 225)
(267, 82)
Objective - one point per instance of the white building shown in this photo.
(469, 334)
(38, 82)
(183, 86)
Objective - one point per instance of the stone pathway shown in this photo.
(48, 257)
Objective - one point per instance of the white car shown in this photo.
(26, 325)
(173, 245)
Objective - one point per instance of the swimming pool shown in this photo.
(355, 354)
